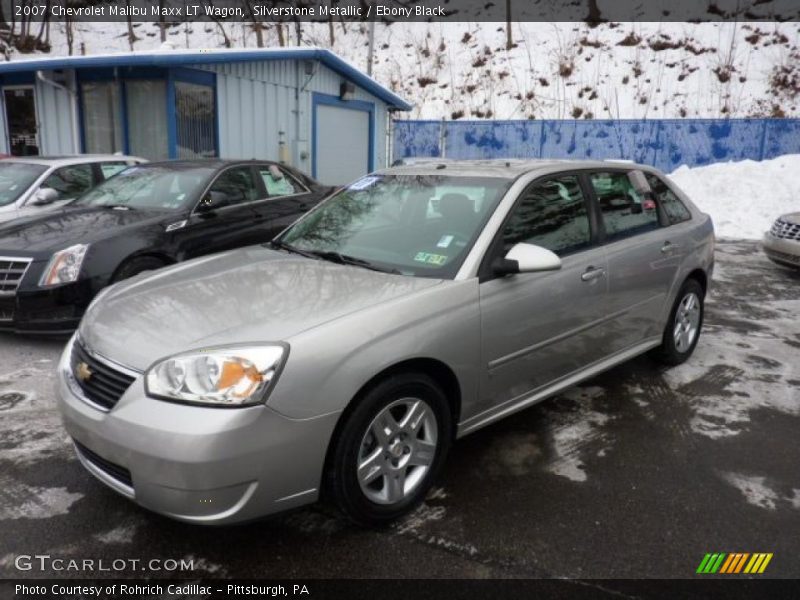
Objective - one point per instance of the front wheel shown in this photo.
(389, 449)
(683, 326)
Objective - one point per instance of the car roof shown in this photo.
(216, 163)
(65, 160)
(503, 168)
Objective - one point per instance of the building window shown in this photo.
(195, 116)
(146, 102)
(102, 127)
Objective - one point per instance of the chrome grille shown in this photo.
(12, 270)
(102, 384)
(785, 230)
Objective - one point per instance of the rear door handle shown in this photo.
(592, 273)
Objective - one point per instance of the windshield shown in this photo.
(16, 178)
(149, 187)
(415, 225)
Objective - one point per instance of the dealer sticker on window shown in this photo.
(445, 241)
(363, 183)
(431, 259)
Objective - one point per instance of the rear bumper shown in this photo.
(782, 251)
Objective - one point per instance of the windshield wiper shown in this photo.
(117, 207)
(342, 259)
(345, 259)
(289, 248)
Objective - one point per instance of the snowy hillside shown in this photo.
(552, 70)
(743, 198)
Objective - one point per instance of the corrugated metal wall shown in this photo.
(666, 144)
(257, 101)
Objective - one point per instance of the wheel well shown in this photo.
(162, 257)
(700, 276)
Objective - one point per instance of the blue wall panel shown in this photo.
(665, 144)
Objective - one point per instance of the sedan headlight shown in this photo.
(64, 266)
(227, 376)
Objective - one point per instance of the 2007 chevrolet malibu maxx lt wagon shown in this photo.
(412, 307)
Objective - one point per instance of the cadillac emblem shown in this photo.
(83, 372)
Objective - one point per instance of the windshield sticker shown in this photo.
(363, 183)
(445, 241)
(431, 259)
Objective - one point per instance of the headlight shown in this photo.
(227, 376)
(64, 266)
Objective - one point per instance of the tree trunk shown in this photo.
(281, 39)
(162, 27)
(509, 37)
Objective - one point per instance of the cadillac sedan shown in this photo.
(146, 217)
(413, 307)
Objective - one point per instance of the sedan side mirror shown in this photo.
(212, 201)
(527, 258)
(45, 196)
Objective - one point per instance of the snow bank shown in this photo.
(743, 198)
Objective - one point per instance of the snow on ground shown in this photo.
(745, 197)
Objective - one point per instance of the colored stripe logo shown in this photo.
(734, 562)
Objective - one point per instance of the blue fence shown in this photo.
(665, 144)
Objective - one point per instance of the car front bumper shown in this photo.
(192, 463)
(50, 311)
(781, 250)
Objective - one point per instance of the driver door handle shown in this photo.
(592, 273)
(668, 247)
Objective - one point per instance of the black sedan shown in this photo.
(148, 216)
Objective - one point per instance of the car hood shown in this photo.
(250, 295)
(54, 230)
(30, 211)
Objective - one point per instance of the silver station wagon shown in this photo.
(341, 360)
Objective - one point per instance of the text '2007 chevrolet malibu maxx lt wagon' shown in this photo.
(412, 307)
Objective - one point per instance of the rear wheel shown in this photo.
(136, 266)
(389, 450)
(683, 326)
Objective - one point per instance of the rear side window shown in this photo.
(675, 209)
(625, 212)
(70, 182)
(551, 214)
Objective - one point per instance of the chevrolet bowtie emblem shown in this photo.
(83, 372)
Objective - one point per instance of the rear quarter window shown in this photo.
(675, 210)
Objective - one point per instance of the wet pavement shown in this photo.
(636, 473)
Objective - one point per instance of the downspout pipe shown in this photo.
(76, 140)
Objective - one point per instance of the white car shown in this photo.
(32, 183)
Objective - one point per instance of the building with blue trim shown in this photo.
(303, 106)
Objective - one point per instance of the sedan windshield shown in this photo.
(414, 225)
(16, 178)
(149, 187)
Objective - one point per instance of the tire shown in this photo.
(137, 265)
(683, 326)
(399, 460)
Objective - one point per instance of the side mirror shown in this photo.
(44, 196)
(212, 201)
(527, 258)
(276, 173)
